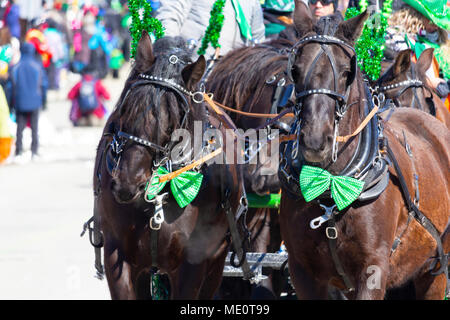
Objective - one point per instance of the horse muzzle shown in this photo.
(126, 194)
(315, 149)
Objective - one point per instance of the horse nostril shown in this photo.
(330, 139)
(142, 187)
(124, 195)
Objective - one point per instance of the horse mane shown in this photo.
(239, 78)
(141, 109)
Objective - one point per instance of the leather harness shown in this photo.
(367, 164)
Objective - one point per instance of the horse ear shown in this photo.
(402, 62)
(425, 60)
(193, 72)
(144, 53)
(303, 20)
(350, 30)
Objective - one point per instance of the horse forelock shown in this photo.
(146, 108)
(234, 80)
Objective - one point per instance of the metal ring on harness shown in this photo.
(87, 226)
(196, 94)
(91, 239)
(240, 262)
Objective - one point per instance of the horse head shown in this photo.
(153, 105)
(406, 82)
(323, 67)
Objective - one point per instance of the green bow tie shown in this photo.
(344, 190)
(185, 187)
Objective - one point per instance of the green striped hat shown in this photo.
(436, 11)
(280, 5)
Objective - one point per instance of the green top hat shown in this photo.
(435, 10)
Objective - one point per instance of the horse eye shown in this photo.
(345, 73)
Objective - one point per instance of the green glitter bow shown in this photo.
(315, 181)
(142, 19)
(212, 33)
(185, 187)
(370, 46)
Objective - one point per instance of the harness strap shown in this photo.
(360, 127)
(421, 218)
(173, 175)
(96, 240)
(331, 233)
(248, 114)
(236, 239)
(154, 246)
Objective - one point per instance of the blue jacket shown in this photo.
(12, 21)
(29, 81)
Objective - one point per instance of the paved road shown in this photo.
(43, 206)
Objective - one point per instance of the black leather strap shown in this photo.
(332, 235)
(420, 217)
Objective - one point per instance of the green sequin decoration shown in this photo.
(212, 33)
(140, 11)
(370, 46)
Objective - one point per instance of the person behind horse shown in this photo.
(277, 16)
(29, 87)
(190, 19)
(417, 27)
(321, 8)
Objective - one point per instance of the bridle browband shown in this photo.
(324, 41)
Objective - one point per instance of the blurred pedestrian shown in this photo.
(87, 98)
(420, 25)
(36, 36)
(59, 52)
(11, 18)
(277, 16)
(29, 86)
(6, 135)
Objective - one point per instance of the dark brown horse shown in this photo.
(191, 244)
(406, 83)
(248, 79)
(371, 244)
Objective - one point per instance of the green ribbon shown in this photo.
(185, 187)
(315, 181)
(245, 28)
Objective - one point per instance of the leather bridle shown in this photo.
(324, 41)
(341, 104)
(413, 84)
(121, 138)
